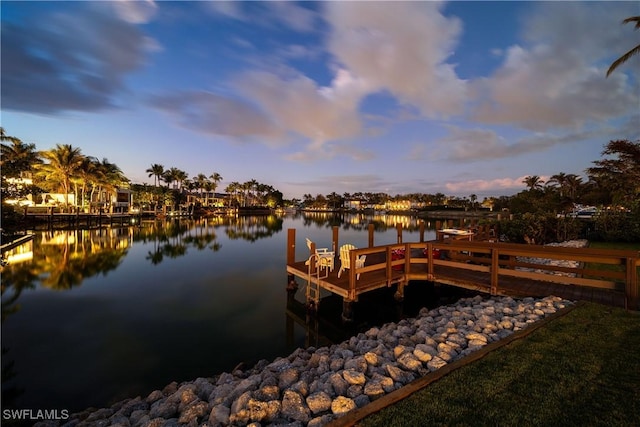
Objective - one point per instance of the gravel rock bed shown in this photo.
(555, 262)
(314, 386)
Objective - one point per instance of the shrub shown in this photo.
(616, 227)
(539, 229)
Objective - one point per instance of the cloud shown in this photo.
(299, 106)
(71, 60)
(477, 144)
(277, 109)
(230, 9)
(271, 14)
(342, 183)
(557, 79)
(293, 15)
(491, 186)
(216, 114)
(401, 47)
(135, 11)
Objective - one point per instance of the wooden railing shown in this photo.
(503, 260)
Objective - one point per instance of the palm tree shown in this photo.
(473, 198)
(170, 176)
(17, 157)
(559, 179)
(634, 51)
(156, 171)
(62, 163)
(208, 188)
(573, 184)
(334, 199)
(233, 188)
(251, 187)
(533, 182)
(87, 174)
(181, 177)
(111, 177)
(200, 182)
(216, 178)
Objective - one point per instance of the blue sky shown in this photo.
(313, 97)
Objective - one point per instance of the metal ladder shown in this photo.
(313, 289)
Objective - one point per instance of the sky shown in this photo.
(313, 97)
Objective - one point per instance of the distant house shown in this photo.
(122, 200)
(353, 204)
(403, 205)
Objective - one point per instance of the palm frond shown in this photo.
(623, 59)
(632, 19)
(629, 54)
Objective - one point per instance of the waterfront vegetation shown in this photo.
(538, 213)
(580, 369)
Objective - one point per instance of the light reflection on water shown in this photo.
(95, 316)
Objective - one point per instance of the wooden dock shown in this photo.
(15, 243)
(75, 219)
(483, 266)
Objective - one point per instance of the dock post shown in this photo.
(347, 310)
(292, 287)
(399, 294)
(399, 231)
(291, 246)
(421, 231)
(335, 238)
(370, 228)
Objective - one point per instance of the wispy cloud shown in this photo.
(480, 144)
(556, 79)
(217, 114)
(490, 186)
(135, 11)
(271, 14)
(69, 60)
(340, 183)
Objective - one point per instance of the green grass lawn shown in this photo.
(615, 245)
(581, 369)
(611, 245)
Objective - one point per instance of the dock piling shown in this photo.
(347, 311)
(370, 228)
(291, 246)
(399, 231)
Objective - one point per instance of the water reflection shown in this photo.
(123, 311)
(252, 228)
(360, 222)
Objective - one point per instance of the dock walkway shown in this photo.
(489, 267)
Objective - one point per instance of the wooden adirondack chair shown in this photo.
(324, 256)
(345, 261)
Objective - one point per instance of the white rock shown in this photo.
(342, 405)
(354, 377)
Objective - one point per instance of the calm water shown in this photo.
(90, 317)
